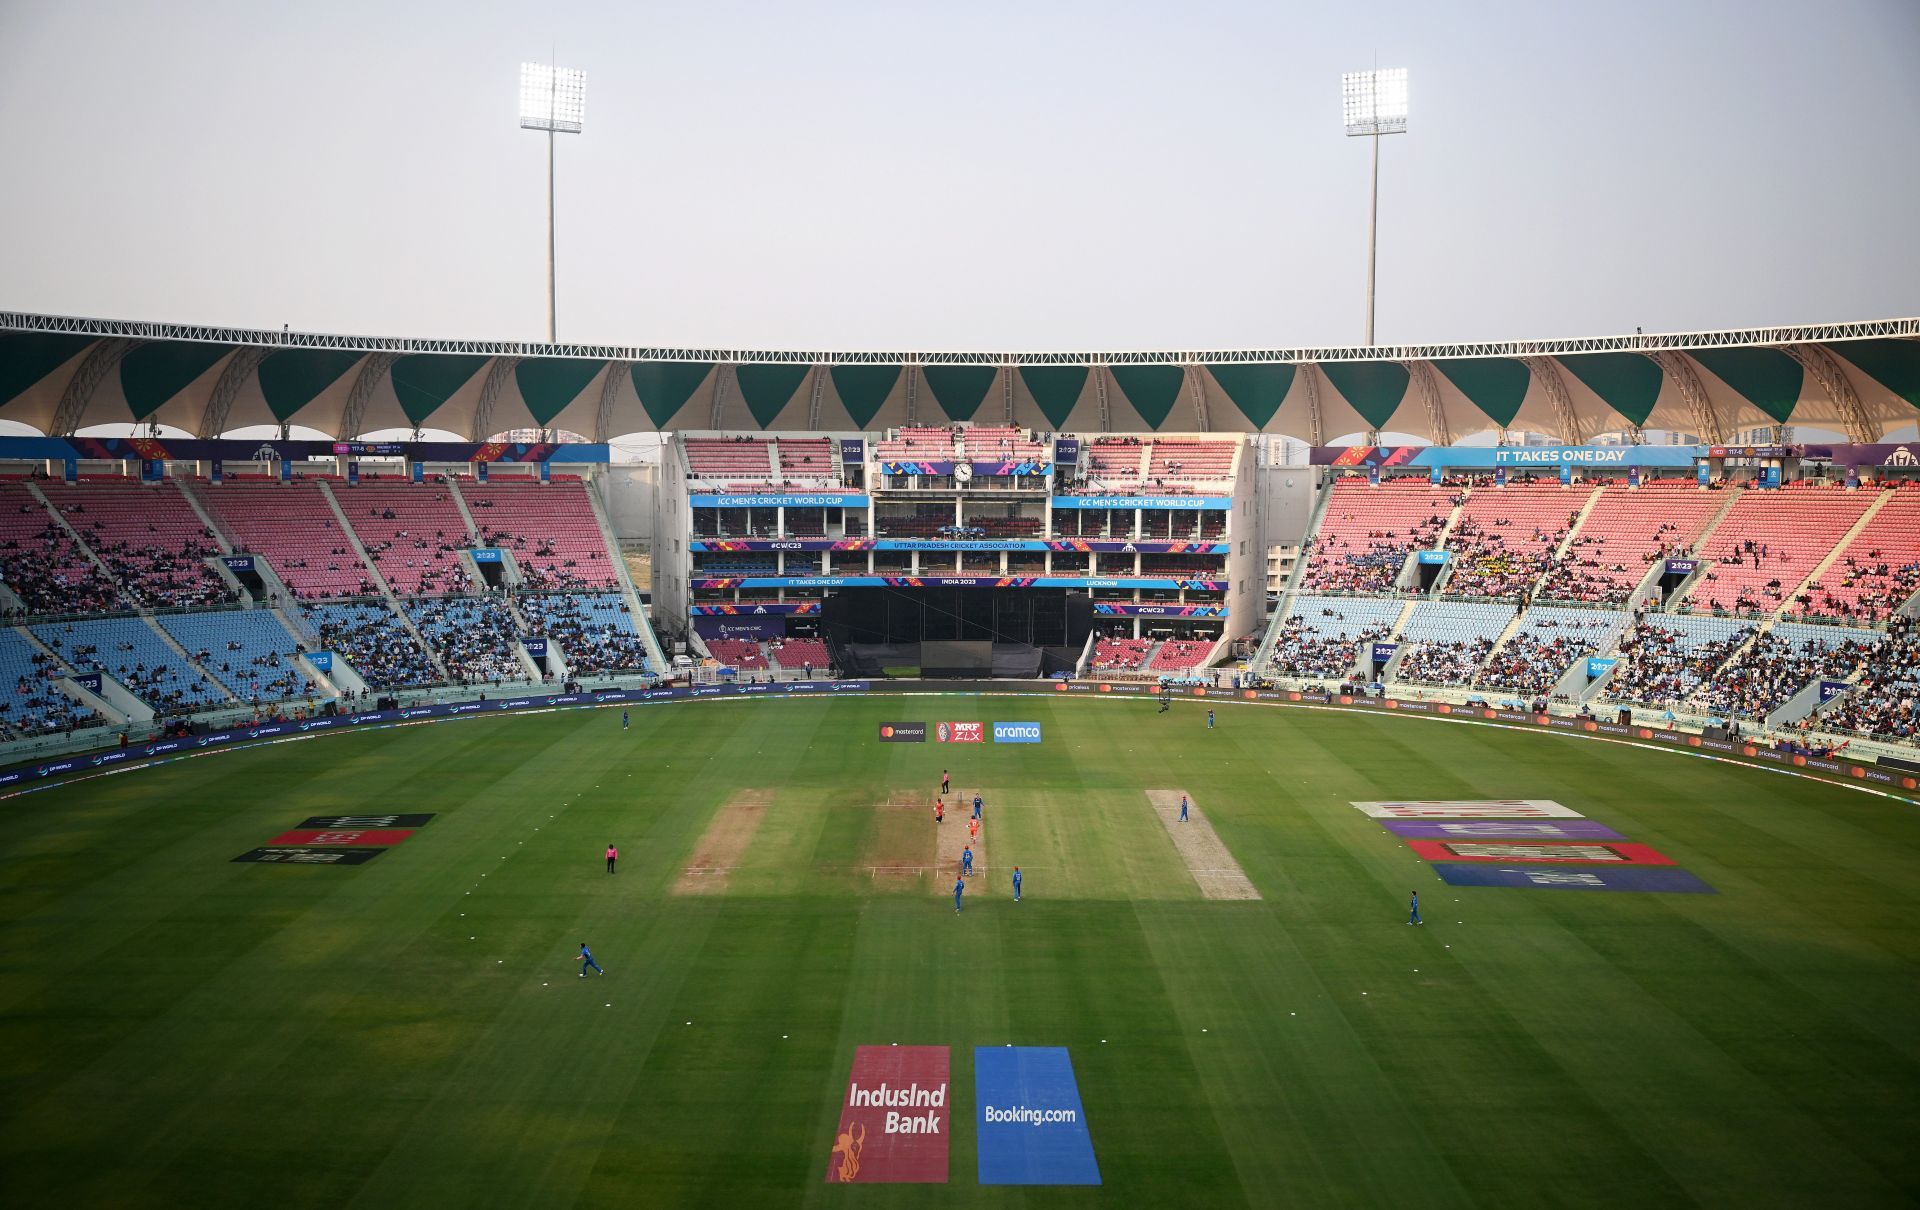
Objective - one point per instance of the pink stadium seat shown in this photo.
(551, 529)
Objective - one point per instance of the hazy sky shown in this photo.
(975, 174)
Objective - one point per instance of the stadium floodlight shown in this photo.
(1373, 103)
(552, 99)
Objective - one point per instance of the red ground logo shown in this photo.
(960, 733)
(895, 1119)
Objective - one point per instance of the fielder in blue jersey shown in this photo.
(959, 889)
(1183, 808)
(966, 861)
(1209, 720)
(1016, 884)
(625, 722)
(976, 806)
(1413, 917)
(586, 960)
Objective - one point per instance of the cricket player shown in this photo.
(959, 889)
(1413, 917)
(939, 811)
(1016, 884)
(1209, 720)
(946, 783)
(586, 960)
(625, 721)
(976, 806)
(613, 855)
(973, 830)
(966, 862)
(1183, 808)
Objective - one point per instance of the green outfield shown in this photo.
(177, 1029)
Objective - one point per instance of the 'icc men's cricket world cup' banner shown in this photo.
(894, 1123)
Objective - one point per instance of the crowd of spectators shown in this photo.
(1885, 701)
(596, 633)
(1761, 679)
(375, 643)
(1309, 647)
(1659, 667)
(1873, 587)
(1370, 563)
(1444, 661)
(1584, 575)
(1533, 660)
(474, 638)
(1752, 596)
(50, 573)
(1487, 562)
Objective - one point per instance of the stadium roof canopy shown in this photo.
(59, 375)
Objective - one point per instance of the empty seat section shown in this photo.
(551, 529)
(1116, 461)
(1000, 443)
(128, 650)
(413, 533)
(1120, 654)
(917, 445)
(1177, 458)
(808, 462)
(726, 460)
(1180, 655)
(293, 527)
(1877, 572)
(1627, 530)
(800, 653)
(1769, 541)
(149, 535)
(743, 654)
(247, 650)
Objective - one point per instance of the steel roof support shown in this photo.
(101, 359)
(609, 391)
(1197, 387)
(1679, 368)
(481, 426)
(1426, 382)
(1860, 427)
(373, 368)
(1546, 372)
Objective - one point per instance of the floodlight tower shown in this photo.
(553, 99)
(1374, 103)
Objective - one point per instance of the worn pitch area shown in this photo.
(1219, 876)
(954, 838)
(722, 844)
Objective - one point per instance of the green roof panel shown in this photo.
(423, 382)
(549, 384)
(27, 357)
(1152, 390)
(1374, 388)
(293, 378)
(767, 388)
(864, 388)
(1055, 389)
(1894, 364)
(665, 386)
(1629, 383)
(1767, 378)
(157, 371)
(1257, 389)
(1495, 385)
(959, 390)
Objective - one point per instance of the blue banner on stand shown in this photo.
(417, 471)
(70, 471)
(323, 660)
(1853, 477)
(153, 470)
(353, 470)
(480, 472)
(1566, 472)
(286, 470)
(219, 470)
(1373, 475)
(1770, 477)
(1434, 476)
(1702, 474)
(1032, 1129)
(1633, 476)
(1500, 476)
(546, 472)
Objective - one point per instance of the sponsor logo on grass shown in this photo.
(366, 821)
(960, 733)
(1032, 1128)
(1560, 878)
(895, 1119)
(1486, 808)
(1503, 829)
(1016, 733)
(903, 733)
(282, 856)
(370, 837)
(1520, 850)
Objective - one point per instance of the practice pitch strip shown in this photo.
(1526, 842)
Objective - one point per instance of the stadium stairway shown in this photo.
(1276, 620)
(466, 514)
(187, 659)
(380, 581)
(1573, 531)
(199, 508)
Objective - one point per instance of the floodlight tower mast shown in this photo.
(553, 99)
(1374, 103)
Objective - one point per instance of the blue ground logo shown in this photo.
(1031, 1127)
(1016, 733)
